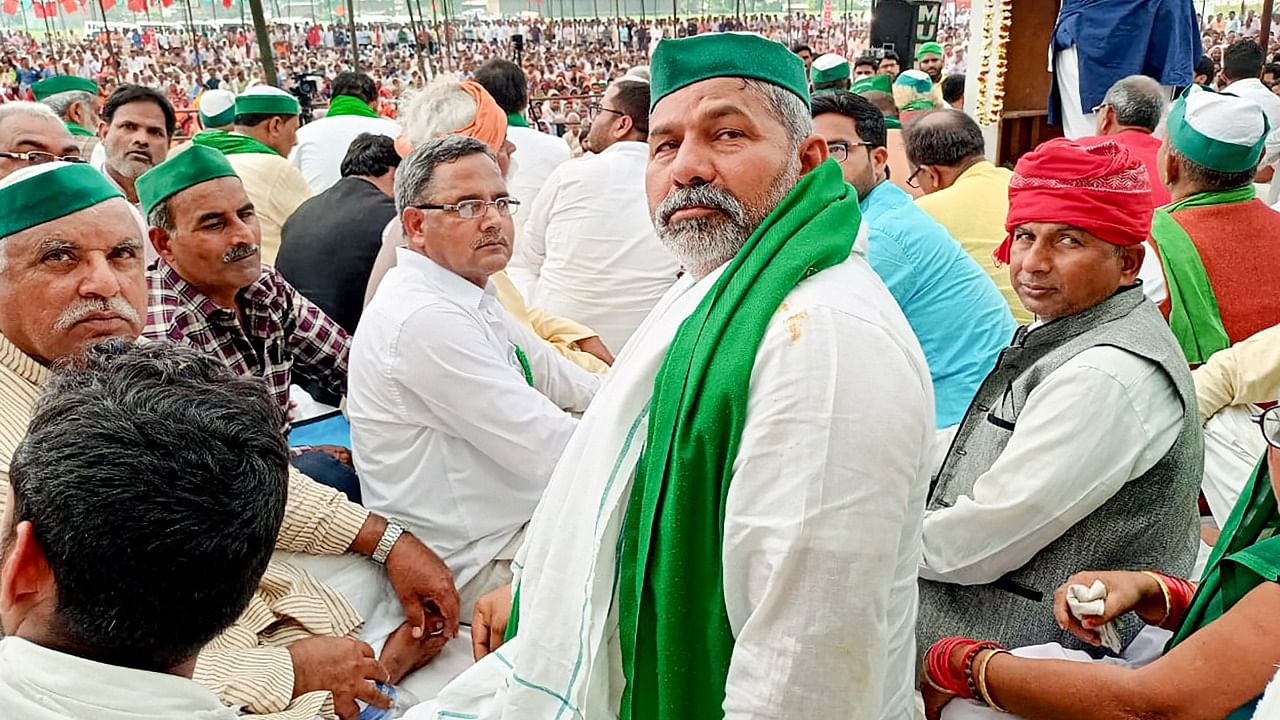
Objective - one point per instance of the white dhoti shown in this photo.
(1232, 447)
(1076, 123)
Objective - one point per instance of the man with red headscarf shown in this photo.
(1080, 449)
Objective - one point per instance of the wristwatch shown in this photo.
(389, 537)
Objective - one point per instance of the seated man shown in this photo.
(1080, 449)
(1212, 271)
(71, 274)
(1129, 114)
(458, 412)
(137, 523)
(75, 100)
(953, 307)
(210, 290)
(963, 191)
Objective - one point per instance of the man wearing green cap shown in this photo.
(1208, 162)
(929, 60)
(75, 99)
(266, 129)
(71, 274)
(829, 73)
(734, 528)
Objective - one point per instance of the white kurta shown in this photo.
(537, 155)
(37, 683)
(1103, 418)
(822, 523)
(445, 432)
(591, 246)
(324, 143)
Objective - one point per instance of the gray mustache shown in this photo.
(84, 307)
(239, 252)
(701, 196)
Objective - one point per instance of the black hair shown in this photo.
(256, 119)
(801, 47)
(633, 99)
(155, 480)
(952, 88)
(1206, 67)
(945, 137)
(1242, 60)
(867, 117)
(128, 94)
(890, 55)
(506, 82)
(867, 60)
(370, 155)
(356, 85)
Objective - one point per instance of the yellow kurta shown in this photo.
(973, 210)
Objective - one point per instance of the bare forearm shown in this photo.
(370, 533)
(1066, 690)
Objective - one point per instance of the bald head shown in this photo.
(947, 138)
(1136, 102)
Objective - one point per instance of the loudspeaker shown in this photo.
(899, 25)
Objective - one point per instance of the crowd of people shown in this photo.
(636, 370)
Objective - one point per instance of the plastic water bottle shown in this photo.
(401, 701)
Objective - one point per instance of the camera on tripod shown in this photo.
(305, 87)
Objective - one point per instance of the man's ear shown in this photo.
(813, 151)
(161, 240)
(25, 579)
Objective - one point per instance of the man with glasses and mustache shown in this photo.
(954, 308)
(32, 134)
(71, 274)
(458, 412)
(733, 530)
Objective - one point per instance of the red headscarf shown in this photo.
(1101, 189)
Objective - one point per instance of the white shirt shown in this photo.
(1101, 419)
(322, 145)
(446, 433)
(822, 522)
(591, 246)
(37, 683)
(1253, 89)
(537, 155)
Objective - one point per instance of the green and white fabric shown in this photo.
(217, 109)
(266, 100)
(36, 195)
(929, 48)
(829, 68)
(1219, 131)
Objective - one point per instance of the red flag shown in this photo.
(108, 4)
(69, 6)
(226, 4)
(10, 7)
(38, 9)
(166, 3)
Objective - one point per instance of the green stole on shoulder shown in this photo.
(1194, 316)
(349, 105)
(517, 120)
(79, 130)
(231, 143)
(674, 629)
(1246, 555)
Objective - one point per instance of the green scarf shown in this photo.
(516, 120)
(79, 130)
(1194, 317)
(1246, 555)
(231, 143)
(892, 123)
(348, 105)
(675, 634)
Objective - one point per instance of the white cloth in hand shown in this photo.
(1091, 602)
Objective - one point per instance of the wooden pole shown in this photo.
(1265, 33)
(355, 44)
(111, 45)
(264, 42)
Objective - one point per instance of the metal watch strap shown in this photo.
(389, 537)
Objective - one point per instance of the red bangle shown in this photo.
(938, 670)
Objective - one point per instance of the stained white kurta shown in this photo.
(37, 683)
(446, 433)
(591, 247)
(822, 523)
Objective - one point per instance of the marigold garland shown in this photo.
(993, 62)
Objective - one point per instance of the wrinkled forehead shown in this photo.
(104, 227)
(708, 100)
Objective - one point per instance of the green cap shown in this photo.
(266, 100)
(217, 108)
(36, 195)
(829, 68)
(51, 86)
(195, 165)
(918, 80)
(929, 48)
(1222, 132)
(677, 64)
(880, 83)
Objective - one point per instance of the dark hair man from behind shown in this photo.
(145, 501)
(1242, 60)
(357, 85)
(953, 91)
(1205, 72)
(373, 157)
(506, 82)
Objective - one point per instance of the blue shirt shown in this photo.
(1118, 38)
(960, 318)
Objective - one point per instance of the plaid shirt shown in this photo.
(282, 333)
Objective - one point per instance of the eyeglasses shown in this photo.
(40, 158)
(1269, 421)
(840, 150)
(471, 209)
(596, 108)
(911, 179)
